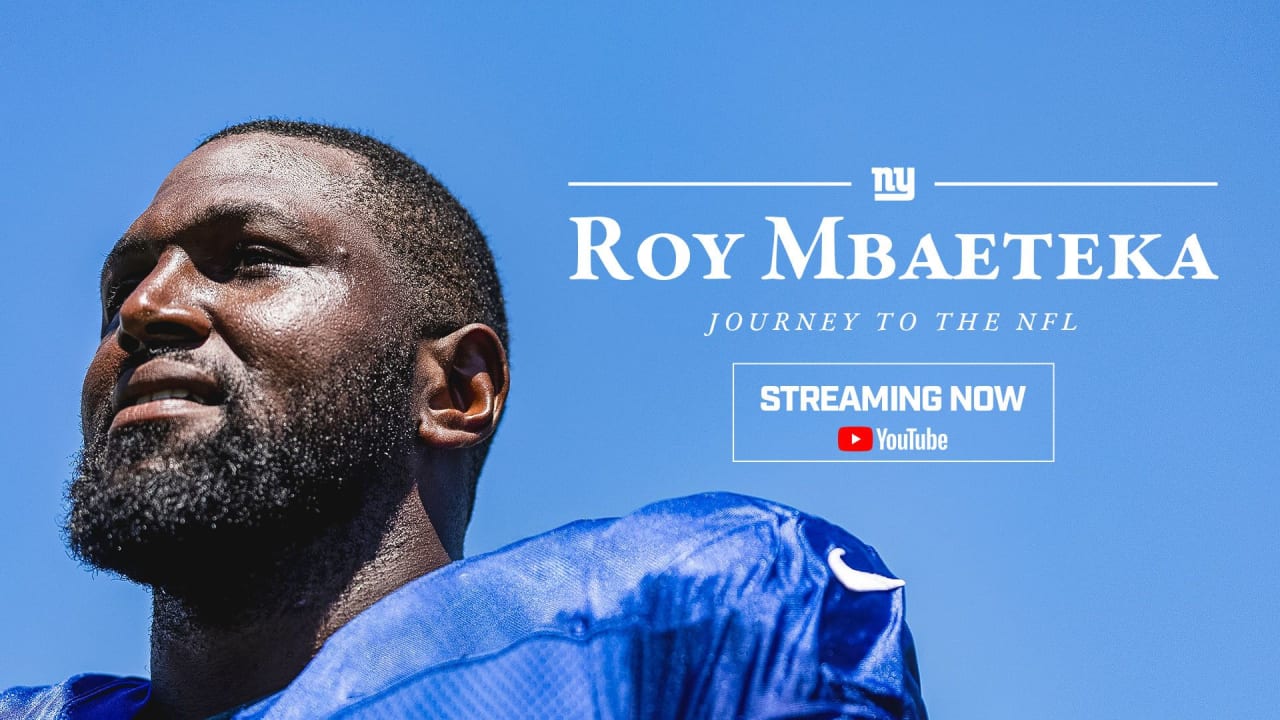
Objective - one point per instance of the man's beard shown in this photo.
(226, 517)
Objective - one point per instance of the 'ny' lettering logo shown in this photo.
(894, 183)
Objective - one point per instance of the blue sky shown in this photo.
(1133, 577)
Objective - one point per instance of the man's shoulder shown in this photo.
(732, 604)
(86, 695)
(736, 546)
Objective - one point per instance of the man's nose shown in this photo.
(164, 309)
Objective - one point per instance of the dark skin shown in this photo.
(252, 255)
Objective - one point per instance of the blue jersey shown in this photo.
(711, 606)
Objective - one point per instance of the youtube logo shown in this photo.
(857, 438)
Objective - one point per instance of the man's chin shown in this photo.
(153, 528)
(167, 505)
(222, 560)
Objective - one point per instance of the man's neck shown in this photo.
(201, 668)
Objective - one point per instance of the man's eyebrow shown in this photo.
(242, 212)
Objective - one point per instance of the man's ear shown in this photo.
(460, 384)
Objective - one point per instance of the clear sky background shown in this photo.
(1135, 577)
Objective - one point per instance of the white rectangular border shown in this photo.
(1053, 409)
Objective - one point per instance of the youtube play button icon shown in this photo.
(857, 438)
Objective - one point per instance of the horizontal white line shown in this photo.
(734, 460)
(704, 184)
(1075, 183)
(891, 363)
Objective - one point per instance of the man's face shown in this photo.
(253, 375)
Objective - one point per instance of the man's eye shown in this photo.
(117, 294)
(249, 256)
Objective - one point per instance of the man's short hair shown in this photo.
(444, 258)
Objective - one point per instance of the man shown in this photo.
(302, 364)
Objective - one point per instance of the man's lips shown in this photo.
(163, 388)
